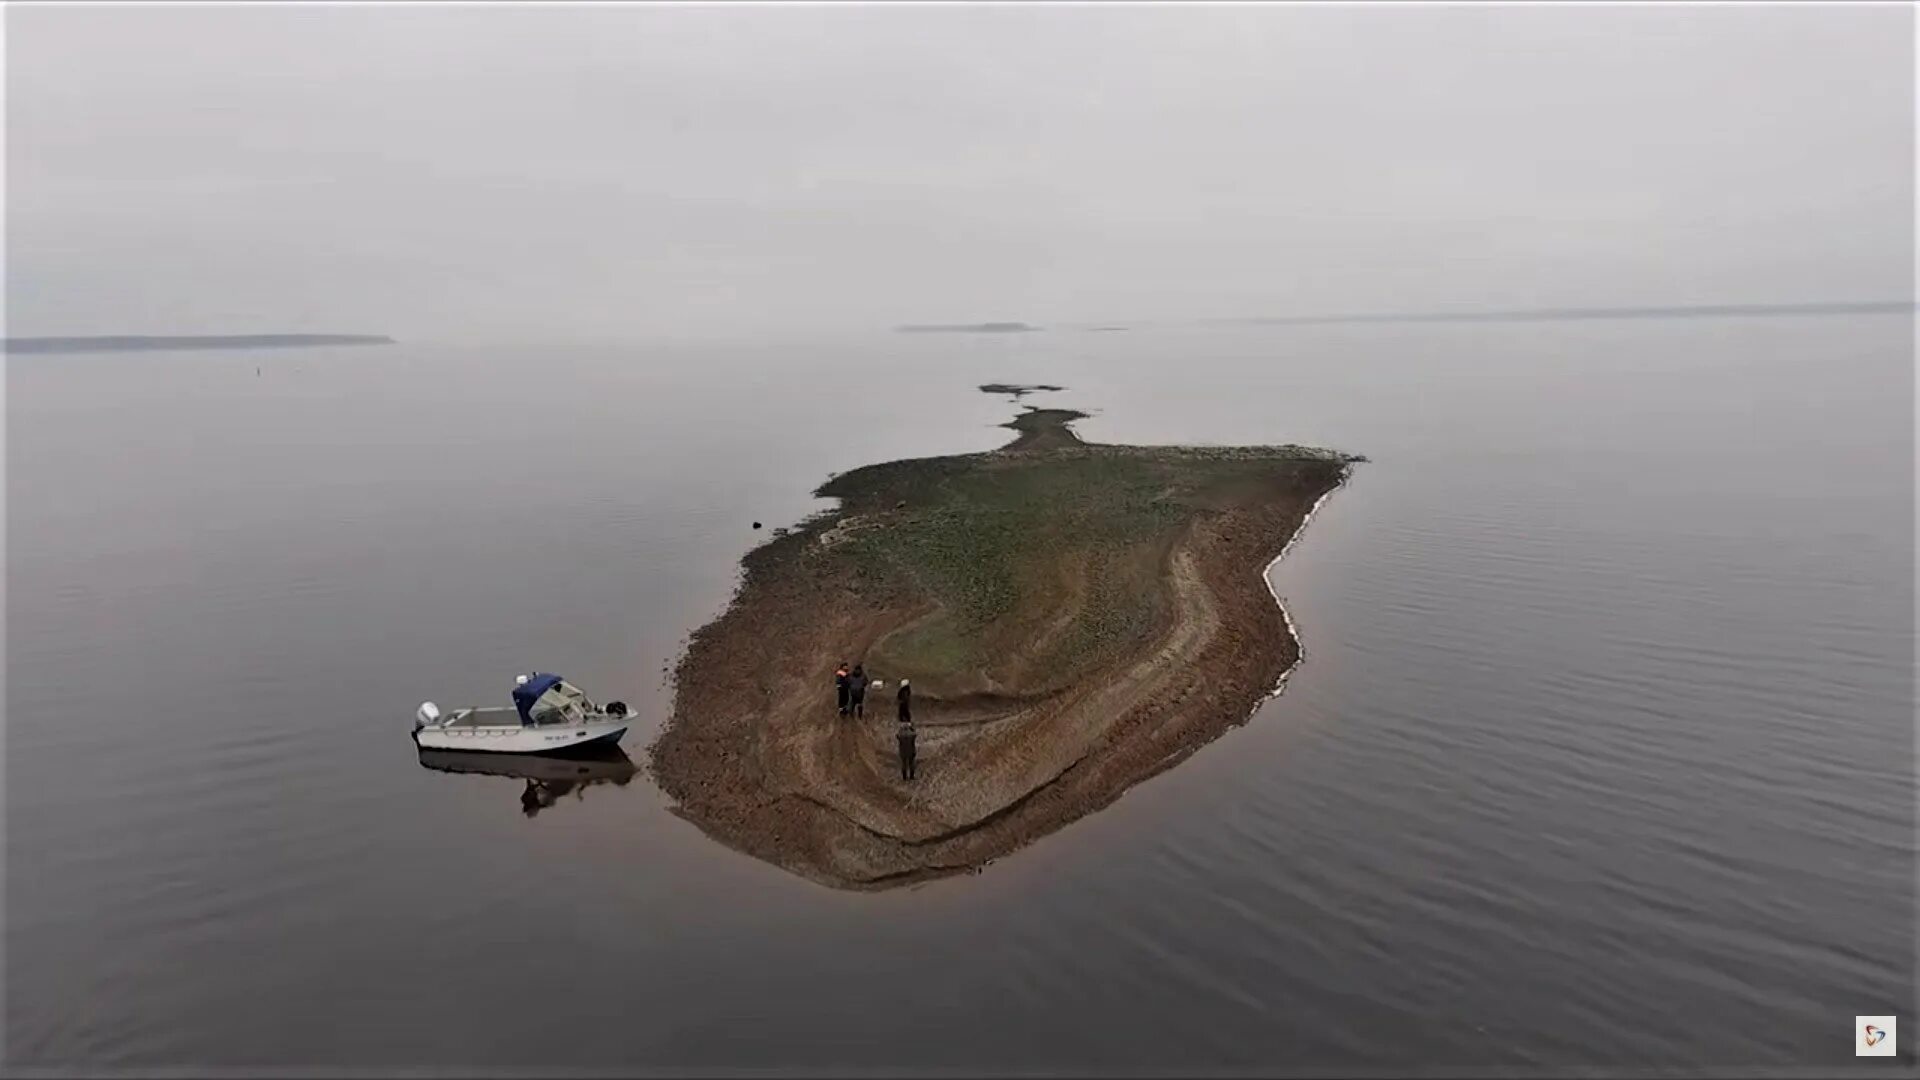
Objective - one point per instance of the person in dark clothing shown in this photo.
(905, 697)
(841, 683)
(857, 690)
(904, 737)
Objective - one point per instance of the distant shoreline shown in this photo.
(967, 328)
(1697, 311)
(155, 342)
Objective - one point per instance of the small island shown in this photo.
(1016, 391)
(1074, 617)
(152, 342)
(968, 328)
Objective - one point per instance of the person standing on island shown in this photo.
(841, 685)
(904, 737)
(857, 690)
(905, 697)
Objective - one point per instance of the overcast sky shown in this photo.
(464, 173)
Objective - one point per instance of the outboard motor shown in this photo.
(429, 714)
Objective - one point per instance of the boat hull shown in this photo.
(522, 740)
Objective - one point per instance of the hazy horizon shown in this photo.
(457, 173)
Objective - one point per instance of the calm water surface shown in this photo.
(1602, 754)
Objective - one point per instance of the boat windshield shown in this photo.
(561, 704)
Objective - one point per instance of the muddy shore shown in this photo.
(1075, 618)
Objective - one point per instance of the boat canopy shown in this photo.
(542, 696)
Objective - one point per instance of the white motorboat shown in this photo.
(549, 715)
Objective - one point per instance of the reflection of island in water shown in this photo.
(548, 779)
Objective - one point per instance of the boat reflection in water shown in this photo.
(548, 779)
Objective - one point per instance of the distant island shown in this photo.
(154, 342)
(1698, 311)
(1074, 617)
(968, 328)
(1016, 391)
